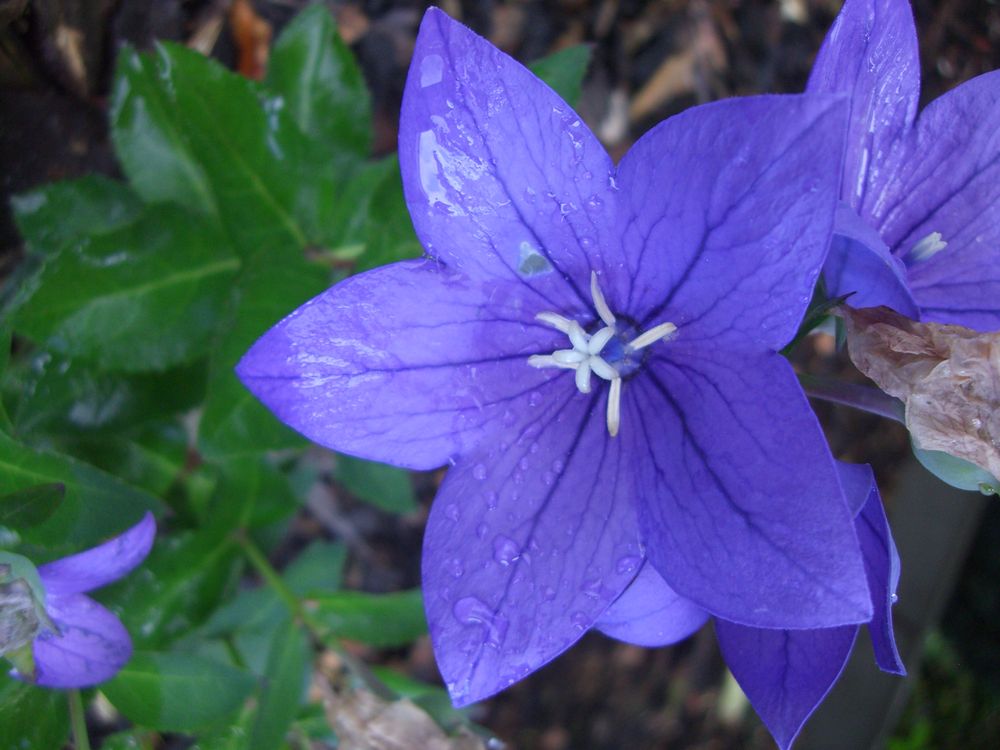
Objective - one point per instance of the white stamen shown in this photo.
(614, 406)
(599, 339)
(601, 304)
(555, 320)
(583, 378)
(602, 369)
(585, 356)
(653, 335)
(928, 247)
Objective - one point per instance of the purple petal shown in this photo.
(858, 481)
(726, 219)
(92, 646)
(950, 184)
(407, 364)
(871, 54)
(750, 521)
(860, 264)
(503, 179)
(785, 673)
(100, 565)
(529, 540)
(650, 613)
(882, 567)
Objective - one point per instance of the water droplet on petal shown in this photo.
(479, 471)
(534, 398)
(627, 564)
(893, 598)
(451, 512)
(592, 588)
(455, 567)
(482, 530)
(505, 550)
(492, 500)
(472, 611)
(579, 620)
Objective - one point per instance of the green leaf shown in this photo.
(383, 486)
(285, 680)
(321, 84)
(96, 506)
(32, 505)
(256, 481)
(178, 692)
(564, 70)
(131, 739)
(234, 422)
(381, 620)
(57, 215)
(152, 459)
(389, 234)
(59, 397)
(957, 472)
(31, 717)
(187, 130)
(144, 297)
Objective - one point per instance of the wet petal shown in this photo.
(858, 481)
(882, 567)
(731, 252)
(650, 613)
(530, 538)
(407, 364)
(860, 264)
(950, 184)
(750, 521)
(100, 565)
(503, 179)
(91, 647)
(871, 54)
(785, 673)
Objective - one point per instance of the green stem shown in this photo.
(78, 721)
(319, 633)
(861, 397)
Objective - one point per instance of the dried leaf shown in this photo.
(948, 377)
(253, 39)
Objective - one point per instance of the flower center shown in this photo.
(612, 352)
(927, 247)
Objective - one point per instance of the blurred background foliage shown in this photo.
(238, 171)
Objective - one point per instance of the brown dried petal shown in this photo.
(948, 377)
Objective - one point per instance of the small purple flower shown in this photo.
(89, 644)
(919, 229)
(593, 348)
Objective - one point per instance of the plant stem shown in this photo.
(78, 721)
(861, 397)
(319, 633)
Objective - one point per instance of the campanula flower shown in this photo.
(594, 350)
(919, 229)
(784, 673)
(83, 643)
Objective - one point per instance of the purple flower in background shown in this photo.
(593, 348)
(89, 644)
(784, 673)
(919, 229)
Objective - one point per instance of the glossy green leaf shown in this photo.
(383, 486)
(30, 506)
(382, 620)
(131, 739)
(55, 396)
(55, 216)
(31, 717)
(96, 506)
(564, 70)
(187, 130)
(143, 297)
(5, 347)
(285, 679)
(178, 692)
(320, 83)
(153, 458)
(234, 422)
(389, 234)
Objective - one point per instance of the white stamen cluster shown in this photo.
(928, 247)
(585, 356)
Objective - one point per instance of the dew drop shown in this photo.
(893, 598)
(505, 550)
(451, 512)
(524, 463)
(627, 564)
(492, 500)
(479, 472)
(592, 588)
(482, 530)
(534, 398)
(580, 620)
(472, 611)
(548, 478)
(558, 466)
(455, 567)
(549, 593)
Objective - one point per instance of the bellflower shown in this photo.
(83, 643)
(594, 349)
(919, 229)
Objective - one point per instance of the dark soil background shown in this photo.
(651, 59)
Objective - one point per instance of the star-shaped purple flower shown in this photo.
(593, 348)
(90, 644)
(919, 230)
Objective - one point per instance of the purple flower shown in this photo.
(89, 643)
(593, 348)
(919, 230)
(784, 673)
